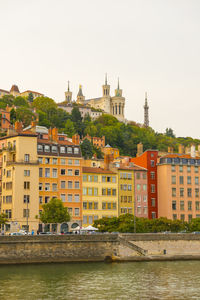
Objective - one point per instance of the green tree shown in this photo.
(194, 225)
(169, 132)
(3, 218)
(20, 101)
(87, 149)
(45, 104)
(12, 116)
(69, 128)
(54, 212)
(30, 97)
(25, 115)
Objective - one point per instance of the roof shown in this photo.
(107, 146)
(133, 168)
(43, 141)
(97, 170)
(4, 91)
(14, 88)
(39, 129)
(175, 155)
(28, 91)
(28, 134)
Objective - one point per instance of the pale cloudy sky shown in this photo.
(152, 45)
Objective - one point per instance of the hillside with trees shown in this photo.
(117, 134)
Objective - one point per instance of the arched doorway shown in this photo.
(64, 227)
(74, 225)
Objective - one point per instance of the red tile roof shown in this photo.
(96, 170)
(43, 141)
(175, 155)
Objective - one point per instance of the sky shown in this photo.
(153, 46)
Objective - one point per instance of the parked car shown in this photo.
(15, 233)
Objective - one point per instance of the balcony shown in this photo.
(22, 162)
(9, 149)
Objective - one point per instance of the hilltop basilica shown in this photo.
(111, 105)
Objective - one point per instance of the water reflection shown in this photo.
(148, 280)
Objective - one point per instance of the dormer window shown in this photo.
(62, 149)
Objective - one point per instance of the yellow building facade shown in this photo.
(19, 181)
(100, 194)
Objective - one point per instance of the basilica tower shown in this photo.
(80, 97)
(146, 112)
(68, 95)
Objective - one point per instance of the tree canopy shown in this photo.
(54, 212)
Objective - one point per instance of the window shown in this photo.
(40, 172)
(69, 185)
(104, 192)
(26, 198)
(76, 150)
(103, 205)
(153, 214)
(103, 178)
(77, 198)
(47, 160)
(153, 202)
(197, 192)
(69, 149)
(189, 169)
(77, 173)
(54, 187)
(26, 213)
(196, 180)
(144, 175)
(63, 197)
(63, 185)
(95, 205)
(40, 186)
(69, 172)
(46, 199)
(7, 199)
(77, 212)
(62, 149)
(40, 159)
(181, 192)
(152, 163)
(144, 198)
(144, 187)
(188, 179)
(40, 148)
(152, 175)
(90, 191)
(90, 178)
(152, 188)
(84, 177)
(138, 198)
(173, 168)
(95, 191)
(173, 205)
(69, 161)
(90, 220)
(181, 181)
(180, 168)
(70, 210)
(40, 199)
(47, 172)
(26, 157)
(84, 191)
(109, 205)
(84, 219)
(55, 173)
(84, 205)
(182, 217)
(197, 205)
(129, 176)
(47, 186)
(174, 217)
(27, 185)
(138, 175)
(189, 218)
(189, 205)
(27, 173)
(69, 197)
(114, 205)
(145, 210)
(62, 161)
(189, 192)
(95, 178)
(90, 206)
(173, 192)
(139, 210)
(77, 162)
(114, 179)
(8, 174)
(114, 192)
(109, 192)
(62, 171)
(46, 148)
(138, 187)
(173, 179)
(181, 205)
(54, 149)
(77, 185)
(196, 169)
(55, 161)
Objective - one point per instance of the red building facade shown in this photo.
(148, 160)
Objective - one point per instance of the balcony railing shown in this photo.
(9, 149)
(22, 162)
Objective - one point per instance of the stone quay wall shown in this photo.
(98, 247)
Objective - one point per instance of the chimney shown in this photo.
(33, 124)
(76, 139)
(103, 141)
(50, 134)
(55, 134)
(181, 149)
(108, 158)
(193, 151)
(18, 126)
(170, 150)
(139, 149)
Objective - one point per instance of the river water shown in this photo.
(136, 280)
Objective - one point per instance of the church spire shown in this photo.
(106, 88)
(118, 84)
(80, 97)
(146, 112)
(68, 94)
(118, 91)
(106, 79)
(68, 86)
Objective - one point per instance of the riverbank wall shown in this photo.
(98, 247)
